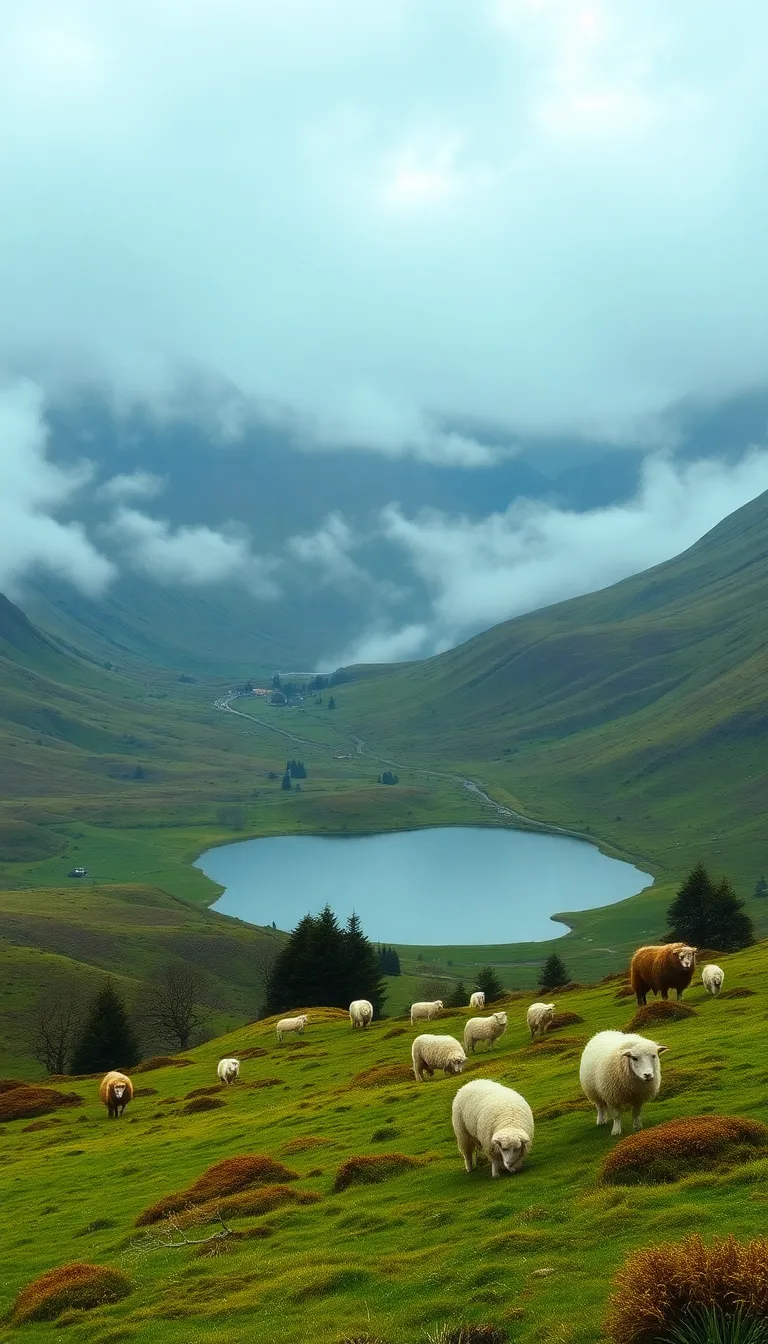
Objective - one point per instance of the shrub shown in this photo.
(384, 1133)
(738, 992)
(10, 1084)
(303, 1144)
(37, 1125)
(372, 1170)
(561, 1046)
(661, 1011)
(468, 1334)
(75, 1287)
(382, 1075)
(264, 1200)
(145, 1092)
(223, 1178)
(394, 1031)
(253, 1052)
(163, 1062)
(567, 1107)
(626, 992)
(28, 1102)
(709, 1325)
(202, 1104)
(670, 1151)
(660, 1285)
(264, 1082)
(201, 1092)
(564, 1020)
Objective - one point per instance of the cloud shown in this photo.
(189, 555)
(476, 574)
(326, 552)
(132, 485)
(534, 212)
(33, 491)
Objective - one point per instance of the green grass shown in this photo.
(427, 1246)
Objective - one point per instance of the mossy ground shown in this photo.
(427, 1246)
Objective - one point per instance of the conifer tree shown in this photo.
(286, 784)
(553, 973)
(688, 915)
(729, 927)
(458, 997)
(107, 1039)
(488, 981)
(761, 887)
(322, 965)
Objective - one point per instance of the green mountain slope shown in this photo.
(640, 712)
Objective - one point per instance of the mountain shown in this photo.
(640, 711)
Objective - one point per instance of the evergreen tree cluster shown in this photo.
(389, 961)
(488, 981)
(296, 769)
(553, 973)
(388, 778)
(458, 997)
(107, 1039)
(709, 914)
(325, 966)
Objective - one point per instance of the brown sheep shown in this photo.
(661, 968)
(116, 1091)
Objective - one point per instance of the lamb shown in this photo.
(287, 1024)
(227, 1070)
(484, 1029)
(116, 1091)
(496, 1119)
(619, 1070)
(539, 1017)
(360, 1013)
(436, 1052)
(661, 968)
(712, 978)
(421, 1011)
(477, 1000)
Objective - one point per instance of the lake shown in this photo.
(449, 884)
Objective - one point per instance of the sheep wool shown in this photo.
(360, 1013)
(227, 1070)
(477, 1000)
(421, 1012)
(487, 1029)
(115, 1091)
(618, 1071)
(662, 967)
(429, 1053)
(539, 1017)
(712, 978)
(494, 1119)
(288, 1024)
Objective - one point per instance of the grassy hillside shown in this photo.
(639, 713)
(533, 1253)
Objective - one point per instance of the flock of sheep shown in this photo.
(619, 1071)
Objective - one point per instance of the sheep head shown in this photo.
(643, 1060)
(687, 957)
(510, 1146)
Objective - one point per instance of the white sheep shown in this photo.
(539, 1017)
(227, 1070)
(425, 1011)
(712, 978)
(619, 1070)
(360, 1013)
(477, 1000)
(287, 1024)
(436, 1052)
(487, 1029)
(497, 1120)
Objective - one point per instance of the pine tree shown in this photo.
(324, 966)
(553, 974)
(688, 915)
(286, 784)
(365, 980)
(107, 1039)
(488, 981)
(761, 887)
(729, 927)
(458, 997)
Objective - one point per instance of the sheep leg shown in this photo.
(679, 993)
(665, 994)
(601, 1115)
(637, 1122)
(466, 1148)
(497, 1167)
(615, 1113)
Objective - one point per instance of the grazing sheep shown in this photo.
(496, 1119)
(422, 1011)
(661, 968)
(712, 978)
(360, 1013)
(116, 1091)
(477, 1000)
(484, 1029)
(436, 1052)
(287, 1024)
(619, 1070)
(539, 1017)
(227, 1070)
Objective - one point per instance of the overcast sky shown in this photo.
(371, 217)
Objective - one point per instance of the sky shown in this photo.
(373, 223)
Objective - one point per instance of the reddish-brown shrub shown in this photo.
(41, 1124)
(162, 1062)
(615, 975)
(264, 1200)
(8, 1084)
(564, 1020)
(738, 992)
(145, 1092)
(659, 1285)
(203, 1092)
(27, 1102)
(561, 1045)
(253, 1052)
(202, 1104)
(660, 1011)
(223, 1178)
(394, 1031)
(558, 1108)
(372, 1170)
(264, 1082)
(670, 1151)
(383, 1075)
(303, 1145)
(75, 1287)
(626, 992)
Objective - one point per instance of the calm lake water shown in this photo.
(456, 884)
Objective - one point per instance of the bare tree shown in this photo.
(56, 1021)
(433, 983)
(172, 1010)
